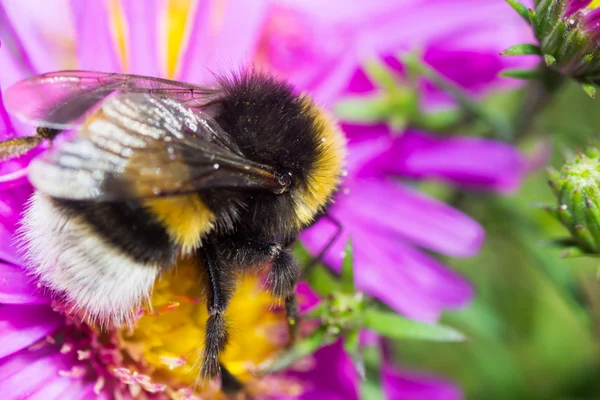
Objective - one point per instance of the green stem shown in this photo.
(499, 128)
(538, 95)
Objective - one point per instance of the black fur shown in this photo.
(272, 126)
(127, 227)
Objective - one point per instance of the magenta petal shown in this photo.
(408, 385)
(17, 288)
(21, 326)
(409, 281)
(332, 377)
(142, 36)
(33, 377)
(390, 210)
(230, 48)
(592, 22)
(469, 162)
(96, 47)
(193, 61)
(16, 63)
(572, 6)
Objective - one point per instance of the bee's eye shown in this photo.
(286, 180)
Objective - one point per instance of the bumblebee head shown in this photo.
(289, 132)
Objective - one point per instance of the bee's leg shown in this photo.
(319, 257)
(282, 279)
(220, 293)
(292, 317)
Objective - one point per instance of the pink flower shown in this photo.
(319, 48)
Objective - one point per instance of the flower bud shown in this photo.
(568, 32)
(577, 187)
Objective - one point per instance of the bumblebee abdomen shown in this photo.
(102, 257)
(127, 227)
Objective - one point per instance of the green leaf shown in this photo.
(519, 73)
(317, 339)
(394, 326)
(381, 74)
(549, 59)
(322, 281)
(589, 89)
(520, 8)
(522, 50)
(351, 346)
(347, 272)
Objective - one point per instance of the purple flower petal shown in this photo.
(37, 375)
(21, 326)
(332, 377)
(392, 211)
(96, 47)
(315, 56)
(142, 37)
(16, 287)
(402, 277)
(13, 197)
(468, 162)
(228, 48)
(32, 46)
(15, 61)
(572, 6)
(592, 22)
(408, 385)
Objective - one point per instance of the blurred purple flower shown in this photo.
(409, 385)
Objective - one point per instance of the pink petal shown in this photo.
(142, 36)
(34, 33)
(96, 47)
(195, 55)
(408, 385)
(572, 6)
(390, 210)
(316, 57)
(61, 387)
(37, 375)
(222, 40)
(15, 61)
(409, 25)
(468, 162)
(16, 287)
(21, 326)
(333, 376)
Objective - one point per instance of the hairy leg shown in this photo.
(219, 280)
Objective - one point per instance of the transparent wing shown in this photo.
(139, 146)
(63, 99)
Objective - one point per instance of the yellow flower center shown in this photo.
(168, 340)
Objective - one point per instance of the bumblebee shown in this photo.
(146, 170)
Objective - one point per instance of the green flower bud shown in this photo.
(568, 32)
(577, 187)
